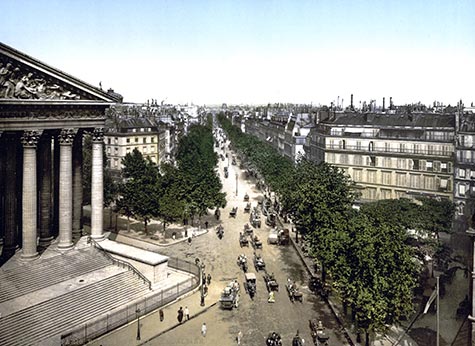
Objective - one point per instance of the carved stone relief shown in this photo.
(30, 138)
(18, 81)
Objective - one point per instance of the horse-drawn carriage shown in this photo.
(274, 339)
(242, 262)
(271, 219)
(243, 241)
(283, 237)
(217, 213)
(230, 297)
(317, 286)
(259, 263)
(256, 242)
(271, 282)
(220, 231)
(320, 338)
(247, 229)
(250, 284)
(293, 291)
(247, 208)
(255, 218)
(233, 212)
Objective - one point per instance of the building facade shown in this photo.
(391, 155)
(44, 114)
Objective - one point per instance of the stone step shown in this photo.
(463, 335)
(21, 281)
(31, 325)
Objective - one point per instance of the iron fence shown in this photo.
(125, 314)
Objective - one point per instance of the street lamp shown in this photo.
(201, 267)
(138, 323)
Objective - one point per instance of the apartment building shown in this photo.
(122, 136)
(389, 154)
(464, 191)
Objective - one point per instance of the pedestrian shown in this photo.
(180, 315)
(208, 279)
(187, 313)
(189, 241)
(206, 224)
(161, 315)
(239, 337)
(203, 329)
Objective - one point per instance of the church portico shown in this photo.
(44, 114)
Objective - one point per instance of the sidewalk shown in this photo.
(151, 326)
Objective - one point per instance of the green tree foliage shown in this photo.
(200, 188)
(140, 191)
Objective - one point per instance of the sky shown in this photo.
(256, 51)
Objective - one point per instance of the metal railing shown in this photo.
(119, 262)
(103, 324)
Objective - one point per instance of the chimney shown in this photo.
(391, 102)
(384, 99)
(351, 103)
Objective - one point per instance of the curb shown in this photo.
(153, 242)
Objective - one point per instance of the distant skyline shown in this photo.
(255, 52)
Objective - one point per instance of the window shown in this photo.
(116, 150)
(402, 147)
(357, 175)
(108, 150)
(344, 159)
(385, 194)
(128, 140)
(414, 181)
(415, 165)
(358, 160)
(116, 162)
(429, 166)
(127, 150)
(429, 182)
(134, 130)
(387, 162)
(461, 190)
(437, 166)
(372, 193)
(144, 149)
(386, 177)
(152, 139)
(444, 184)
(371, 146)
(358, 145)
(144, 140)
(461, 173)
(372, 161)
(108, 141)
(401, 163)
(417, 148)
(372, 177)
(142, 129)
(343, 144)
(387, 146)
(152, 149)
(443, 167)
(116, 140)
(401, 179)
(136, 139)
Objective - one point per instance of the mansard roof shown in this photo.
(26, 80)
(423, 120)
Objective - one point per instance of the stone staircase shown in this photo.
(52, 317)
(31, 277)
(463, 335)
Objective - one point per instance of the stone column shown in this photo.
(2, 189)
(77, 185)
(29, 195)
(44, 182)
(56, 186)
(97, 185)
(66, 139)
(10, 200)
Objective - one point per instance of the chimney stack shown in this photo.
(391, 102)
(351, 104)
(384, 99)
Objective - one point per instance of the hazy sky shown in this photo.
(254, 51)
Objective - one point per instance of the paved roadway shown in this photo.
(257, 318)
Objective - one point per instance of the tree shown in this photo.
(140, 192)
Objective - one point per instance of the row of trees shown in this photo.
(366, 251)
(171, 193)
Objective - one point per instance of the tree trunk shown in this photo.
(110, 217)
(367, 338)
(116, 218)
(128, 224)
(145, 226)
(324, 274)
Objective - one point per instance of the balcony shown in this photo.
(384, 150)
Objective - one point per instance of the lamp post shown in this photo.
(201, 267)
(138, 323)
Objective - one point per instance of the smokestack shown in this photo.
(384, 99)
(391, 102)
(351, 104)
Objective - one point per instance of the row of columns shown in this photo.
(43, 188)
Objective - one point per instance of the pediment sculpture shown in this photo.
(19, 82)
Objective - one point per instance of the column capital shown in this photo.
(98, 135)
(30, 138)
(66, 137)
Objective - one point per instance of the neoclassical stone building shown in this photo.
(44, 114)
